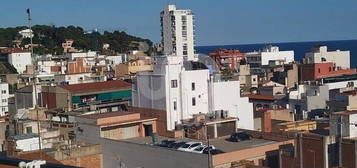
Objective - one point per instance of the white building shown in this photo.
(19, 59)
(26, 33)
(320, 54)
(268, 54)
(88, 55)
(27, 142)
(183, 92)
(4, 96)
(177, 26)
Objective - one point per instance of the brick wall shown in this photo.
(89, 161)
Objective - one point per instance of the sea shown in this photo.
(300, 48)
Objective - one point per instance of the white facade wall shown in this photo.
(178, 32)
(193, 94)
(4, 96)
(339, 58)
(20, 60)
(45, 66)
(339, 85)
(29, 144)
(226, 96)
(287, 56)
(89, 54)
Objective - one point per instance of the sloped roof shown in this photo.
(97, 86)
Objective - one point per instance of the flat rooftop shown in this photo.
(219, 143)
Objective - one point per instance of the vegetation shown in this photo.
(50, 39)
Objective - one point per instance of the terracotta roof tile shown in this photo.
(97, 86)
(261, 97)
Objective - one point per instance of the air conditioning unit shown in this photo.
(225, 114)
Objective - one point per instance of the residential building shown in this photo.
(4, 96)
(106, 96)
(17, 57)
(130, 68)
(319, 54)
(343, 124)
(119, 125)
(286, 74)
(184, 92)
(67, 46)
(309, 72)
(177, 27)
(344, 100)
(78, 66)
(308, 97)
(26, 142)
(268, 54)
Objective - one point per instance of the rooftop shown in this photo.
(345, 112)
(25, 136)
(14, 50)
(106, 115)
(221, 144)
(97, 86)
(264, 97)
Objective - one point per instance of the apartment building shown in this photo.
(177, 31)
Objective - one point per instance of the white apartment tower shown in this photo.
(177, 31)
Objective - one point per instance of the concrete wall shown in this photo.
(339, 58)
(133, 155)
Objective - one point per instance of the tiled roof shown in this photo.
(14, 50)
(261, 97)
(97, 86)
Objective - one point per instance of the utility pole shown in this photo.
(34, 82)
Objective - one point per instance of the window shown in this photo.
(28, 130)
(4, 100)
(193, 86)
(319, 70)
(193, 101)
(175, 105)
(3, 91)
(173, 83)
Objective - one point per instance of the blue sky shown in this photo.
(217, 21)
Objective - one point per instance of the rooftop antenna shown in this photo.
(34, 82)
(29, 25)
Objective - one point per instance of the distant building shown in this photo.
(319, 54)
(309, 72)
(26, 33)
(67, 46)
(4, 96)
(270, 53)
(19, 58)
(177, 27)
(130, 68)
(26, 142)
(78, 66)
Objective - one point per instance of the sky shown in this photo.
(218, 22)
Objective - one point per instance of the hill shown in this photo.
(49, 39)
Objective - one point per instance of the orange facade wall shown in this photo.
(322, 70)
(117, 119)
(77, 66)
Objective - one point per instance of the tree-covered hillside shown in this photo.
(50, 39)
